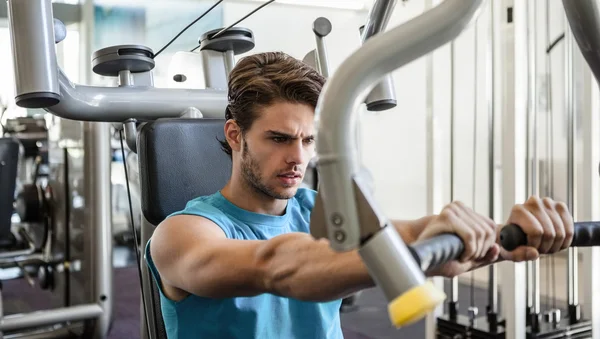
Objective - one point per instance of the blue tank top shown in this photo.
(264, 316)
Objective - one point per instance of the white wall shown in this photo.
(393, 142)
(288, 28)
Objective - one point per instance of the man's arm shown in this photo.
(192, 254)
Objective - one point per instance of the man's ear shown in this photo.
(233, 134)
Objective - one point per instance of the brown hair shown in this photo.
(261, 79)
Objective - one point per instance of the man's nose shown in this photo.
(296, 153)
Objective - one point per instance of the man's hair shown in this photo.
(263, 79)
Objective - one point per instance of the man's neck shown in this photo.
(249, 199)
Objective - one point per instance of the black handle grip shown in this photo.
(586, 234)
(436, 251)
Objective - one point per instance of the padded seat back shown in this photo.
(180, 159)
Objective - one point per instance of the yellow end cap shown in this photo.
(415, 304)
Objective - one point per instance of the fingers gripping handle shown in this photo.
(436, 251)
(585, 234)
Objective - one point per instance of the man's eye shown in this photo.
(309, 141)
(279, 139)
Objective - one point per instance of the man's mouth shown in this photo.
(290, 179)
(291, 175)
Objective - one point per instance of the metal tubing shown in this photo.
(378, 18)
(570, 110)
(511, 93)
(532, 159)
(30, 247)
(346, 90)
(118, 104)
(99, 215)
(32, 35)
(229, 61)
(50, 317)
(386, 257)
(489, 70)
(125, 78)
(321, 54)
(453, 299)
(383, 95)
(31, 259)
(48, 333)
(321, 28)
(214, 67)
(130, 130)
(536, 288)
(41, 84)
(435, 167)
(588, 198)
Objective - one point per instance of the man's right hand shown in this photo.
(477, 232)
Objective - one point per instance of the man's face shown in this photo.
(277, 149)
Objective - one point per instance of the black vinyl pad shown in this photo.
(179, 160)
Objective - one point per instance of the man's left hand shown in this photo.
(548, 225)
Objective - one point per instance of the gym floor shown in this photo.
(368, 321)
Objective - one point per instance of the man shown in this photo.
(241, 263)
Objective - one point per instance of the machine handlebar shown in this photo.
(443, 248)
(586, 234)
(437, 250)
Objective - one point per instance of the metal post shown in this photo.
(435, 199)
(512, 94)
(570, 103)
(588, 187)
(532, 160)
(322, 28)
(453, 300)
(51, 317)
(99, 216)
(383, 95)
(492, 311)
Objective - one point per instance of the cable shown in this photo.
(188, 26)
(135, 238)
(235, 23)
(554, 43)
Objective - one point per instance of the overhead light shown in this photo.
(342, 4)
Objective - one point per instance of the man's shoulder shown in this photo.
(200, 205)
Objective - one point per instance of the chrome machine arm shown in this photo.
(41, 84)
(383, 95)
(584, 20)
(344, 208)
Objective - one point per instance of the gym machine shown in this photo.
(382, 97)
(40, 84)
(344, 204)
(343, 198)
(76, 202)
(79, 156)
(513, 26)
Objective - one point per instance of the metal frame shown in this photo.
(511, 93)
(435, 167)
(383, 95)
(588, 182)
(338, 163)
(67, 13)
